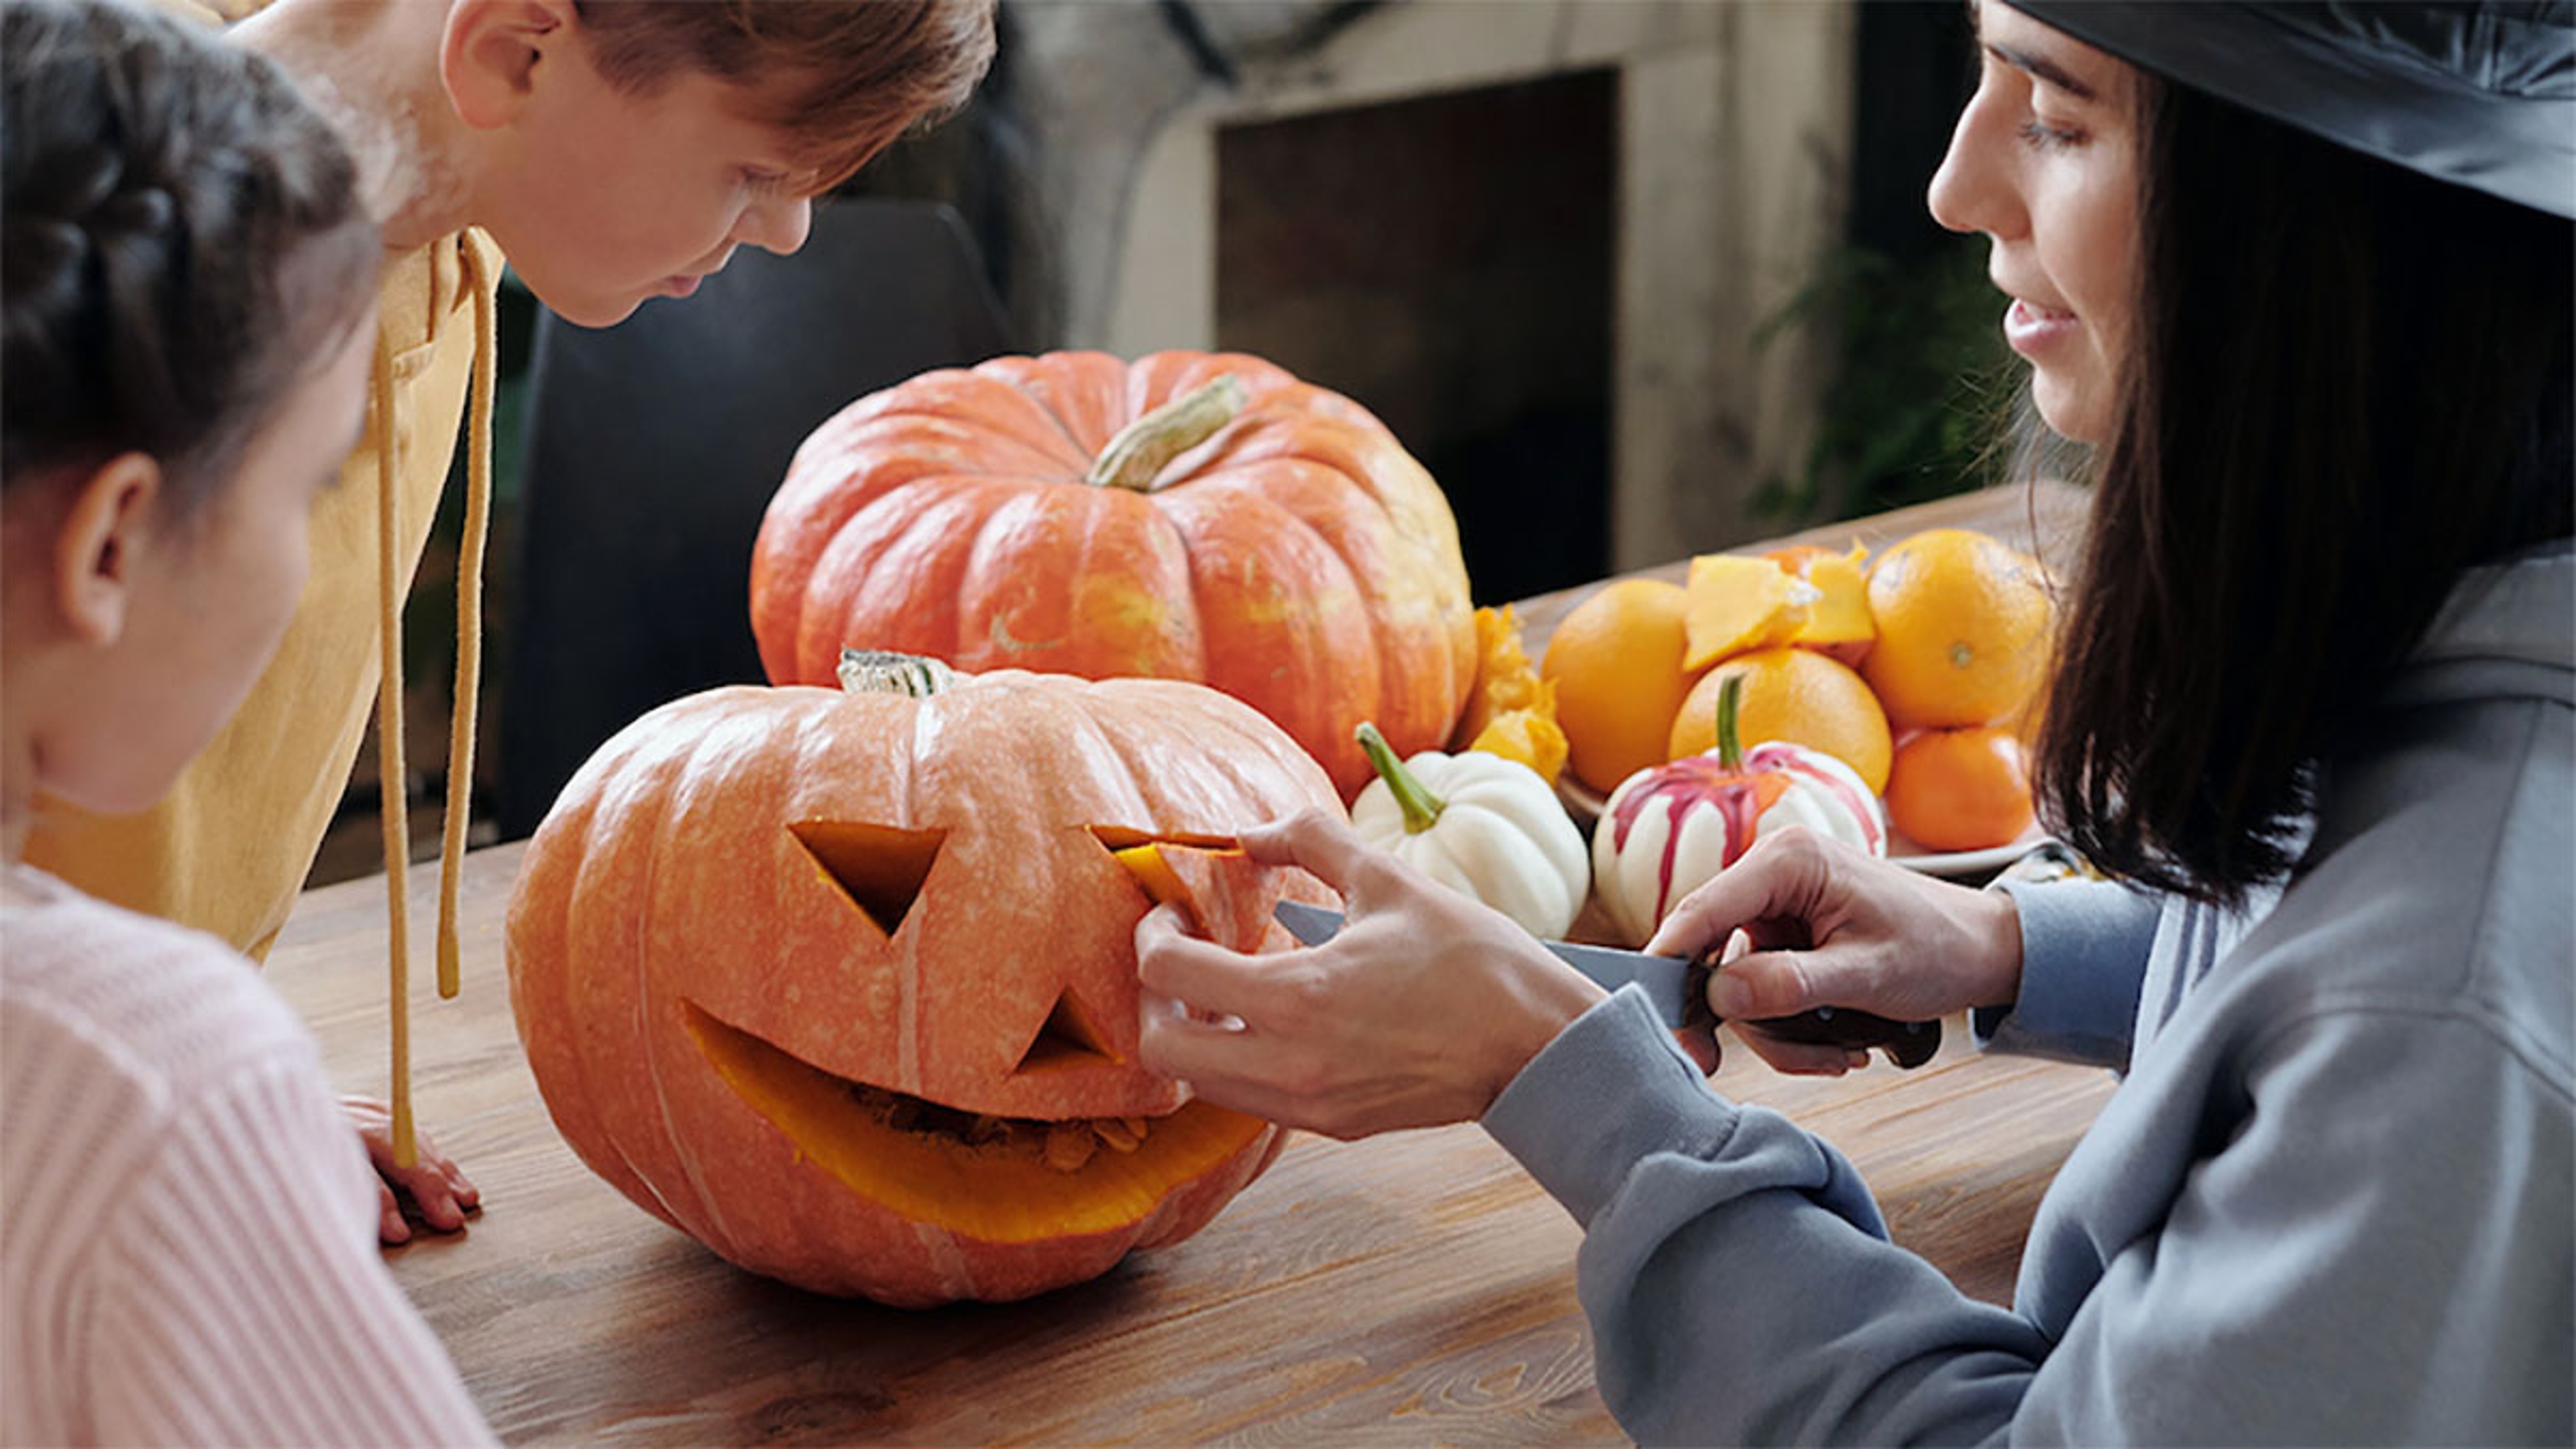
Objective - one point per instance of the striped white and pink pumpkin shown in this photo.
(1669, 828)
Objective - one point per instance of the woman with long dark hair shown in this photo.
(2299, 275)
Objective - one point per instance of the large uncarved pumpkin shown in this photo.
(1188, 516)
(844, 984)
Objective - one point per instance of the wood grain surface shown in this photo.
(1414, 1288)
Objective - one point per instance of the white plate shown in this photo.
(1584, 805)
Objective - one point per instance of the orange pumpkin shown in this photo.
(844, 984)
(1187, 516)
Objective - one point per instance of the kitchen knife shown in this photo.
(1671, 985)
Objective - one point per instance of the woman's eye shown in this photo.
(764, 181)
(2047, 138)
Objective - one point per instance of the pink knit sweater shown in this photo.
(187, 1219)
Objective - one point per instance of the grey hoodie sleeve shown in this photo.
(2084, 951)
(1740, 1287)
(1735, 1270)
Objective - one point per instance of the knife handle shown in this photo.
(1907, 1043)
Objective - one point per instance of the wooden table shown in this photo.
(1413, 1288)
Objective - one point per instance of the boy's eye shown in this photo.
(764, 181)
(2041, 137)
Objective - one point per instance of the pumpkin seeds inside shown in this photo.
(1066, 1146)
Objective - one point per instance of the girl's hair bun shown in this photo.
(179, 236)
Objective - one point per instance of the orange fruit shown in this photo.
(1963, 629)
(1616, 662)
(1960, 789)
(1796, 695)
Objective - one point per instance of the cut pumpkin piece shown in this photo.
(1506, 680)
(1226, 894)
(1734, 604)
(1531, 736)
(1837, 613)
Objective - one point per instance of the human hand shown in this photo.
(1418, 1013)
(434, 1183)
(1823, 923)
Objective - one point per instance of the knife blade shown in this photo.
(1672, 984)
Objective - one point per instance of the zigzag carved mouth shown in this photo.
(1001, 1179)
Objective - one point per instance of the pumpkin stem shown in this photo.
(1730, 733)
(883, 671)
(1136, 456)
(1421, 808)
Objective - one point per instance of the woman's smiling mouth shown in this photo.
(2031, 328)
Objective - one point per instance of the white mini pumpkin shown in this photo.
(1489, 826)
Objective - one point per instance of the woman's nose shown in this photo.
(1972, 190)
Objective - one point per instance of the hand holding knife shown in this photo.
(1673, 984)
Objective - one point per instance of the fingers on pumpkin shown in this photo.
(1233, 1068)
(1219, 891)
(1774, 880)
(1201, 974)
(1315, 841)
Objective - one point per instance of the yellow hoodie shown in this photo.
(228, 850)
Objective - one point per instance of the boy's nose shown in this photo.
(778, 226)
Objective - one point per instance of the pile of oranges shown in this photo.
(1921, 671)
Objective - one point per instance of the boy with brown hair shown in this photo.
(612, 150)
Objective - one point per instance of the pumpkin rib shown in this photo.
(912, 546)
(542, 1002)
(975, 401)
(1399, 622)
(1083, 391)
(1308, 676)
(1406, 510)
(613, 830)
(818, 559)
(1077, 457)
(1159, 377)
(1102, 579)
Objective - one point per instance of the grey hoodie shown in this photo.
(2333, 1201)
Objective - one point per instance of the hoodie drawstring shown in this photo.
(390, 767)
(469, 621)
(391, 807)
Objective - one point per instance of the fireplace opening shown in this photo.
(1447, 261)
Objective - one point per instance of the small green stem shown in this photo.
(1421, 808)
(882, 671)
(1730, 734)
(1136, 456)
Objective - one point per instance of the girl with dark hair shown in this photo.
(187, 1226)
(2300, 276)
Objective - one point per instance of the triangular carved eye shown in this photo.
(1067, 1040)
(880, 867)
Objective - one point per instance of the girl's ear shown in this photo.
(104, 537)
(491, 52)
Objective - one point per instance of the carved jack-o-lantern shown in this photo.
(844, 985)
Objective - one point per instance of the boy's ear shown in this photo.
(102, 542)
(491, 52)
